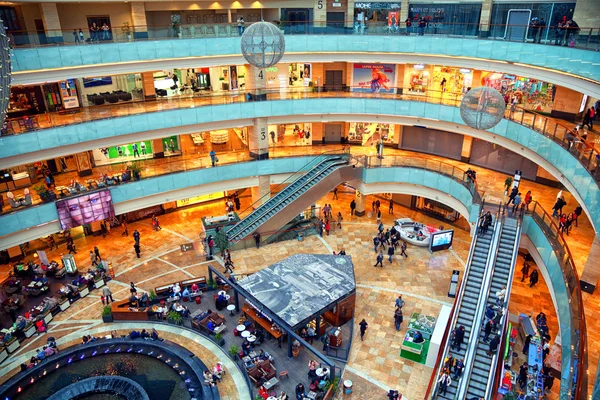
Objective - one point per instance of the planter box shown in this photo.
(14, 345)
(107, 318)
(65, 305)
(99, 284)
(48, 317)
(29, 331)
(84, 292)
(3, 354)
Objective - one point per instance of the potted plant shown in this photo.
(174, 318)
(107, 314)
(221, 241)
(64, 303)
(152, 296)
(219, 339)
(29, 329)
(12, 344)
(507, 183)
(211, 285)
(84, 290)
(136, 170)
(233, 350)
(98, 281)
(47, 196)
(126, 29)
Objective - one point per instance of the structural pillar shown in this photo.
(138, 16)
(258, 139)
(158, 149)
(404, 8)
(256, 83)
(261, 193)
(84, 164)
(229, 18)
(361, 203)
(148, 86)
(51, 22)
(467, 146)
(398, 131)
(486, 17)
(591, 271)
(320, 14)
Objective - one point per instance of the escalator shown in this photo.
(298, 192)
(479, 377)
(467, 304)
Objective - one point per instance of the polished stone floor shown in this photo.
(422, 279)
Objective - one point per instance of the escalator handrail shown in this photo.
(493, 378)
(319, 158)
(260, 213)
(453, 316)
(486, 284)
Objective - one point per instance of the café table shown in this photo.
(321, 372)
(231, 307)
(251, 338)
(245, 334)
(241, 328)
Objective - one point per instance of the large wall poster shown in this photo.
(374, 78)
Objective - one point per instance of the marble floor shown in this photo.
(421, 278)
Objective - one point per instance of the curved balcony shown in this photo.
(444, 180)
(572, 67)
(554, 147)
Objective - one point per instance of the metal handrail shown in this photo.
(477, 318)
(504, 322)
(453, 318)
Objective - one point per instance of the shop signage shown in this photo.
(271, 69)
(465, 71)
(377, 5)
(68, 92)
(200, 199)
(337, 4)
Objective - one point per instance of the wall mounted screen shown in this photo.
(85, 209)
(99, 81)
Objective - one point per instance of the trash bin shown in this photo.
(347, 386)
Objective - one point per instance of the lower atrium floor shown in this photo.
(374, 364)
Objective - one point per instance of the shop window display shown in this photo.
(171, 145)
(126, 152)
(549, 13)
(369, 134)
(290, 135)
(451, 80)
(531, 94)
(455, 19)
(418, 80)
(289, 75)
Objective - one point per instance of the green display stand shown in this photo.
(416, 352)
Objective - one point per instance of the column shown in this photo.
(158, 149)
(476, 82)
(404, 8)
(587, 16)
(398, 131)
(467, 146)
(256, 83)
(138, 16)
(84, 164)
(350, 15)
(361, 203)
(318, 75)
(258, 139)
(148, 86)
(591, 271)
(400, 68)
(484, 20)
(260, 193)
(51, 22)
(317, 133)
(566, 103)
(320, 14)
(229, 18)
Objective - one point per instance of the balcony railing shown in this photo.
(581, 148)
(577, 370)
(583, 38)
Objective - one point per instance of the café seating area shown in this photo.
(107, 97)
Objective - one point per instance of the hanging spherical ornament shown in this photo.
(482, 108)
(263, 44)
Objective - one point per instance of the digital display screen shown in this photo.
(81, 210)
(99, 81)
(441, 240)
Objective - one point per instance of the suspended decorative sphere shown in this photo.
(4, 73)
(482, 108)
(263, 44)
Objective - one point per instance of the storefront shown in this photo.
(123, 153)
(370, 133)
(531, 94)
(549, 14)
(374, 78)
(290, 135)
(225, 78)
(39, 99)
(456, 19)
(376, 12)
(101, 90)
(422, 78)
(284, 76)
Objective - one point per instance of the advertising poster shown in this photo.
(171, 144)
(374, 78)
(124, 152)
(234, 77)
(68, 92)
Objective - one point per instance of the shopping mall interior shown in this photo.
(308, 200)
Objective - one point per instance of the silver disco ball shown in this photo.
(482, 108)
(263, 44)
(5, 70)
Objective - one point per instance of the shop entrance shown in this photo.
(297, 20)
(334, 80)
(41, 31)
(100, 20)
(335, 20)
(333, 133)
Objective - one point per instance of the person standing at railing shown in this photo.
(422, 25)
(105, 31)
(81, 37)
(572, 32)
(576, 213)
(408, 23)
(240, 25)
(587, 119)
(76, 36)
(94, 32)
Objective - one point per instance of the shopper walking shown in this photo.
(339, 220)
(379, 260)
(213, 157)
(257, 239)
(390, 253)
(378, 216)
(403, 249)
(97, 253)
(398, 318)
(93, 259)
(335, 196)
(522, 378)
(352, 207)
(106, 292)
(577, 213)
(136, 237)
(399, 302)
(516, 202)
(533, 278)
(445, 381)
(391, 207)
(513, 193)
(363, 328)
(125, 230)
(525, 271)
(136, 247)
